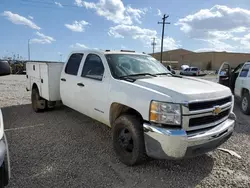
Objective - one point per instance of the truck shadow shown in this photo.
(63, 148)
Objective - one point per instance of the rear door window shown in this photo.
(194, 69)
(73, 64)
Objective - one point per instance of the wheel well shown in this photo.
(243, 91)
(118, 109)
(34, 86)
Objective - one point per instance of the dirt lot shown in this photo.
(63, 148)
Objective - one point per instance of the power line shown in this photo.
(47, 3)
(163, 27)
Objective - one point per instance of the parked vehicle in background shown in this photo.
(4, 68)
(238, 80)
(150, 110)
(4, 156)
(191, 71)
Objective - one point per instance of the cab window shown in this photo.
(194, 69)
(245, 70)
(93, 67)
(73, 64)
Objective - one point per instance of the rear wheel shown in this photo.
(128, 140)
(245, 103)
(37, 104)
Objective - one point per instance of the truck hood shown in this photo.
(185, 89)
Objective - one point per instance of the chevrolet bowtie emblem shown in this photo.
(216, 110)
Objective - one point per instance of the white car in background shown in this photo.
(191, 71)
(238, 80)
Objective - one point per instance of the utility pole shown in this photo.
(29, 49)
(163, 28)
(153, 44)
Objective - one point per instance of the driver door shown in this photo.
(224, 74)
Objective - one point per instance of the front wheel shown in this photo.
(245, 103)
(128, 140)
(3, 176)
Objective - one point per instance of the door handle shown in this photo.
(63, 79)
(80, 84)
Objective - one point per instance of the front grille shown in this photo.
(208, 104)
(207, 119)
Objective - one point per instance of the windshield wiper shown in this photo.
(169, 73)
(140, 74)
(164, 73)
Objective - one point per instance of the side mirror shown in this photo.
(168, 67)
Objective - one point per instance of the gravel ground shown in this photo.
(63, 148)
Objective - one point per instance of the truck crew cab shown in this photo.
(151, 111)
(238, 80)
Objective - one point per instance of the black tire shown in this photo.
(194, 74)
(6, 173)
(245, 103)
(129, 151)
(2, 183)
(180, 73)
(35, 97)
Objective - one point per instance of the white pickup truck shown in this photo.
(151, 111)
(238, 80)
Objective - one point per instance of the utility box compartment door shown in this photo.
(44, 86)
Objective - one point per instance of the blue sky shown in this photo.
(57, 27)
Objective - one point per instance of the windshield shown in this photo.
(129, 64)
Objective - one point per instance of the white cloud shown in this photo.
(43, 39)
(221, 18)
(31, 17)
(114, 10)
(78, 45)
(144, 35)
(159, 13)
(222, 24)
(77, 26)
(59, 4)
(136, 14)
(20, 20)
(121, 31)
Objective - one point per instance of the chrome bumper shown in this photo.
(162, 143)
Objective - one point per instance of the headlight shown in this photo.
(165, 113)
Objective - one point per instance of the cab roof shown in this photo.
(108, 52)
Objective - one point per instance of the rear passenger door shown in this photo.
(93, 86)
(69, 79)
